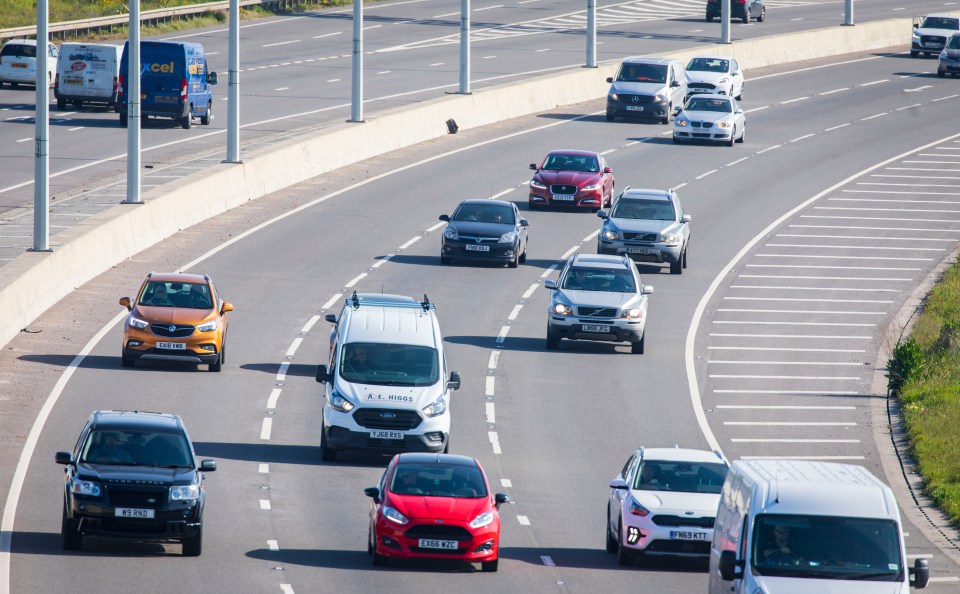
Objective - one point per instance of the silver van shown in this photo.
(647, 88)
(87, 73)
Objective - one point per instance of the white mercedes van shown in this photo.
(799, 526)
(386, 384)
(87, 73)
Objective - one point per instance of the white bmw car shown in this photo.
(710, 118)
(714, 74)
(664, 502)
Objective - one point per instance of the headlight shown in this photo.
(671, 239)
(185, 493)
(85, 488)
(609, 234)
(916, 35)
(137, 323)
(394, 516)
(723, 124)
(680, 123)
(508, 237)
(563, 309)
(535, 184)
(589, 187)
(634, 313)
(943, 55)
(340, 403)
(482, 520)
(659, 97)
(208, 326)
(613, 97)
(637, 509)
(436, 408)
(451, 233)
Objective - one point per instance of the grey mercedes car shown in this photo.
(647, 88)
(647, 226)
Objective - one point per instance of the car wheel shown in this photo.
(327, 454)
(940, 74)
(378, 559)
(677, 267)
(677, 140)
(123, 119)
(187, 120)
(733, 136)
(370, 541)
(523, 256)
(746, 18)
(709, 19)
(61, 104)
(445, 259)
(70, 537)
(763, 15)
(193, 545)
(743, 136)
(515, 262)
(553, 342)
(126, 361)
(490, 566)
(739, 96)
(610, 117)
(666, 119)
(913, 54)
(218, 365)
(623, 555)
(636, 348)
(685, 256)
(14, 85)
(446, 447)
(205, 118)
(611, 539)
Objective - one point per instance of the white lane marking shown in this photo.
(831, 267)
(503, 334)
(547, 560)
(549, 271)
(446, 14)
(494, 441)
(411, 242)
(684, 184)
(791, 377)
(282, 372)
(506, 484)
(788, 424)
(266, 428)
(332, 301)
(920, 556)
(281, 43)
(843, 257)
(778, 350)
(570, 252)
(782, 440)
(382, 261)
(783, 407)
(488, 58)
(872, 117)
(333, 80)
(294, 346)
(799, 300)
(876, 82)
(272, 399)
(799, 138)
(286, 589)
(945, 240)
(757, 109)
(788, 101)
(793, 323)
(591, 236)
(807, 363)
(789, 392)
(356, 279)
(489, 385)
(703, 175)
(282, 89)
(524, 520)
(263, 469)
(385, 72)
(327, 35)
(841, 289)
(543, 49)
(487, 8)
(529, 292)
(372, 27)
(855, 247)
(927, 230)
(909, 106)
(25, 139)
(740, 160)
(437, 64)
(513, 314)
(802, 457)
(807, 311)
(78, 127)
(265, 504)
(837, 127)
(503, 193)
(811, 336)
(945, 98)
(769, 148)
(949, 578)
(306, 327)
(613, 150)
(435, 227)
(491, 413)
(494, 359)
(272, 545)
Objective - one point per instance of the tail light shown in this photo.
(116, 85)
(56, 82)
(120, 88)
(183, 89)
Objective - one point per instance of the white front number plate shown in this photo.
(478, 248)
(596, 328)
(176, 346)
(385, 434)
(132, 512)
(429, 543)
(688, 535)
(563, 197)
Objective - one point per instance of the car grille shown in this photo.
(636, 99)
(701, 135)
(439, 532)
(933, 40)
(640, 236)
(141, 498)
(701, 124)
(597, 312)
(563, 189)
(476, 239)
(179, 330)
(679, 546)
(683, 521)
(386, 418)
(701, 87)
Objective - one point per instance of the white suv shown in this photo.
(598, 297)
(664, 502)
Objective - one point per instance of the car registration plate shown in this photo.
(634, 108)
(385, 434)
(430, 543)
(596, 328)
(641, 250)
(477, 248)
(563, 197)
(132, 512)
(19, 65)
(688, 535)
(72, 81)
(175, 346)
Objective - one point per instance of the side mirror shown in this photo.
(445, 218)
(332, 318)
(125, 301)
(916, 25)
(609, 79)
(920, 573)
(618, 483)
(675, 83)
(550, 284)
(500, 498)
(66, 458)
(646, 290)
(454, 382)
(534, 166)
(212, 78)
(608, 169)
(208, 465)
(524, 223)
(679, 109)
(227, 306)
(322, 375)
(729, 567)
(603, 214)
(373, 493)
(685, 218)
(739, 110)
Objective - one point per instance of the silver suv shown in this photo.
(598, 297)
(647, 226)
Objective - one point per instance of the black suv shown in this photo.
(133, 475)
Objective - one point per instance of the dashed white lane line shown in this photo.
(506, 483)
(294, 346)
(272, 545)
(332, 301)
(382, 261)
(437, 64)
(757, 109)
(805, 136)
(503, 334)
(75, 129)
(494, 359)
(875, 82)
(945, 98)
(25, 139)
(411, 242)
(570, 252)
(282, 89)
(327, 35)
(837, 127)
(272, 399)
(372, 27)
(494, 441)
(524, 520)
(547, 561)
(592, 235)
(435, 227)
(703, 175)
(909, 106)
(769, 148)
(787, 424)
(487, 8)
(789, 101)
(282, 372)
(333, 80)
(684, 184)
(266, 428)
(385, 72)
(265, 504)
(873, 116)
(356, 279)
(286, 589)
(263, 468)
(489, 386)
(513, 314)
(834, 91)
(549, 271)
(529, 292)
(737, 162)
(281, 43)
(491, 413)
(309, 325)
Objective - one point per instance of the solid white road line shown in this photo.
(778, 266)
(848, 289)
(775, 349)
(864, 237)
(834, 458)
(802, 256)
(294, 346)
(759, 323)
(781, 440)
(805, 300)
(491, 413)
(812, 336)
(263, 468)
(788, 392)
(489, 385)
(265, 504)
(274, 396)
(282, 372)
(855, 247)
(782, 407)
(789, 377)
(800, 277)
(272, 545)
(805, 311)
(788, 424)
(808, 363)
(310, 323)
(265, 429)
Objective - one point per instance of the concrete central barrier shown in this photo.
(33, 282)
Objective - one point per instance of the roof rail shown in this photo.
(356, 301)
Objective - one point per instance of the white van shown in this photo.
(386, 386)
(18, 62)
(87, 73)
(798, 526)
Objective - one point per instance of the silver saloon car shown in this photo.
(710, 118)
(647, 226)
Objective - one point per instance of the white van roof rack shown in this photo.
(356, 301)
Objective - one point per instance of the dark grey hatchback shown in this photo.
(490, 230)
(133, 475)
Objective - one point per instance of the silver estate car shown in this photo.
(710, 118)
(647, 226)
(598, 297)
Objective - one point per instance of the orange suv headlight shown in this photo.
(208, 326)
(137, 323)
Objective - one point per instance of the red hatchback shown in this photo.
(572, 178)
(434, 506)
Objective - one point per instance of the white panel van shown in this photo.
(386, 388)
(87, 73)
(799, 526)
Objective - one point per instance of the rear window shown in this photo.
(18, 50)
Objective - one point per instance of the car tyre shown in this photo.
(914, 54)
(611, 539)
(610, 117)
(123, 119)
(709, 19)
(743, 136)
(685, 248)
(217, 366)
(666, 119)
(327, 454)
(553, 343)
(733, 137)
(378, 559)
(445, 259)
(205, 118)
(746, 17)
(940, 74)
(677, 140)
(187, 120)
(126, 361)
(636, 348)
(515, 261)
(70, 537)
(623, 555)
(193, 545)
(490, 566)
(523, 256)
(677, 267)
(763, 15)
(61, 104)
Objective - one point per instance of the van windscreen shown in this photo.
(389, 364)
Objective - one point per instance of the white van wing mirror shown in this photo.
(921, 573)
(730, 568)
(322, 375)
(454, 382)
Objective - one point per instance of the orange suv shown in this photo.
(176, 317)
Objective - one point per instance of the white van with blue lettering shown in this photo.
(386, 385)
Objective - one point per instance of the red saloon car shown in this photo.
(572, 178)
(434, 506)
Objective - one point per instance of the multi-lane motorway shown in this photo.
(807, 240)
